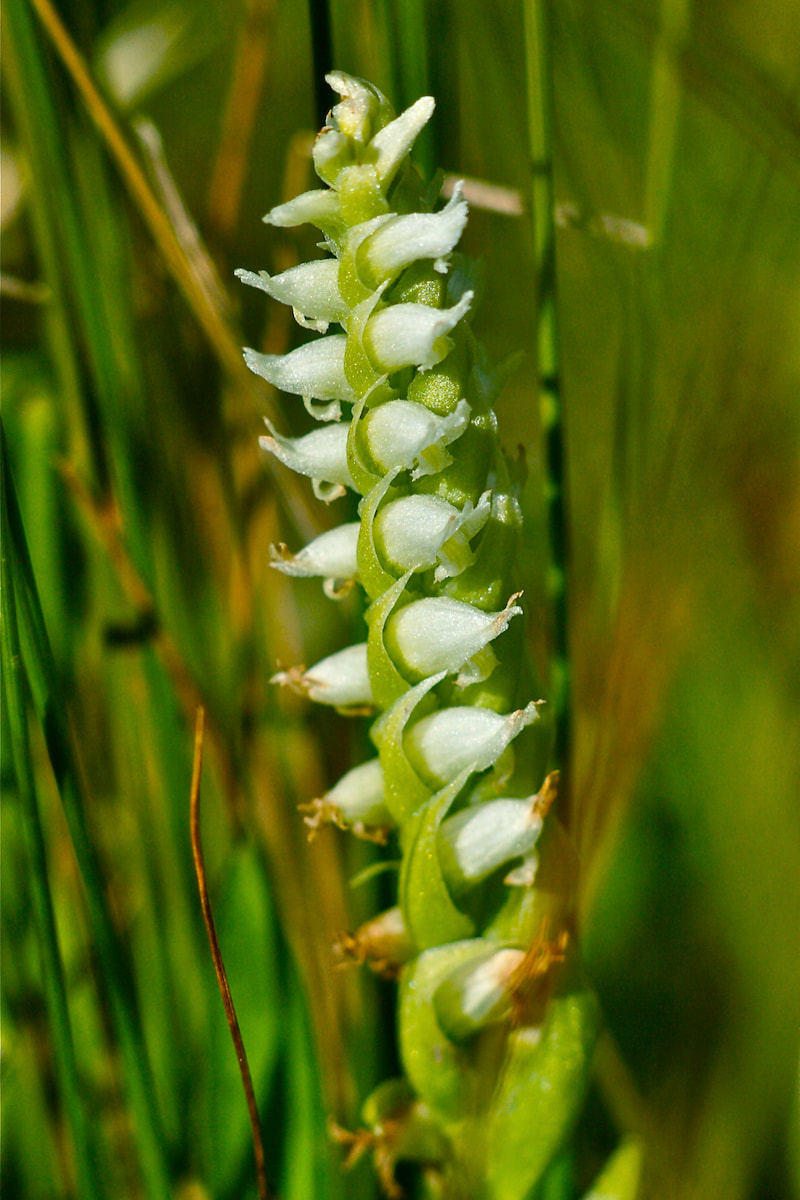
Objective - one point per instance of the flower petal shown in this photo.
(315, 369)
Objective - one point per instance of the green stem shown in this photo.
(539, 97)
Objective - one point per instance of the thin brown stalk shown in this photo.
(216, 954)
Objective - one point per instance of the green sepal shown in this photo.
(358, 368)
(441, 1073)
(431, 916)
(441, 388)
(364, 479)
(405, 793)
(465, 478)
(540, 1095)
(420, 284)
(484, 583)
(374, 578)
(386, 681)
(360, 194)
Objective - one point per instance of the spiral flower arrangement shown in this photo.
(495, 1027)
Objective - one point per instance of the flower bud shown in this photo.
(312, 290)
(423, 531)
(341, 679)
(439, 634)
(481, 838)
(332, 555)
(315, 369)
(321, 455)
(453, 740)
(477, 994)
(360, 109)
(403, 434)
(412, 335)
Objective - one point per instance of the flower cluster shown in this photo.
(403, 396)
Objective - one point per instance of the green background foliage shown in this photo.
(131, 428)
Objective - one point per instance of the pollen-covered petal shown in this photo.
(311, 288)
(394, 141)
(319, 207)
(321, 455)
(453, 740)
(481, 838)
(341, 679)
(315, 369)
(332, 555)
(403, 434)
(440, 634)
(400, 241)
(412, 335)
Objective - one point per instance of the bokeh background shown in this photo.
(142, 142)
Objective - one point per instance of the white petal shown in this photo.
(404, 239)
(331, 555)
(403, 434)
(452, 740)
(405, 335)
(315, 369)
(311, 288)
(395, 139)
(321, 454)
(440, 634)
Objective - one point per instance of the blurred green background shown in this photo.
(131, 190)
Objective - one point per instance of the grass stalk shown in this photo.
(16, 707)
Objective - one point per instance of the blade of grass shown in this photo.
(14, 700)
(540, 126)
(115, 968)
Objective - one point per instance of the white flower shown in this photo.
(395, 242)
(406, 335)
(394, 141)
(332, 555)
(440, 634)
(321, 455)
(420, 531)
(312, 290)
(341, 679)
(453, 740)
(479, 839)
(319, 207)
(403, 434)
(315, 369)
(478, 993)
